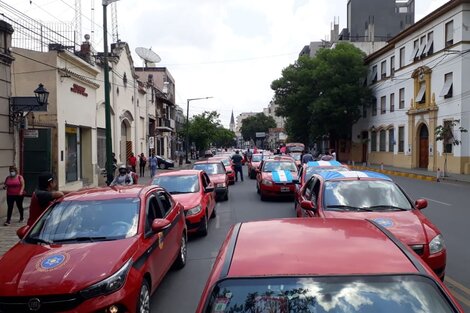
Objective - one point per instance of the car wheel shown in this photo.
(257, 189)
(143, 302)
(166, 166)
(161, 166)
(263, 197)
(214, 214)
(204, 227)
(180, 261)
(226, 196)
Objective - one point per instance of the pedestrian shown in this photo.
(123, 179)
(327, 157)
(333, 154)
(43, 196)
(153, 163)
(14, 184)
(307, 157)
(237, 161)
(142, 163)
(132, 161)
(135, 177)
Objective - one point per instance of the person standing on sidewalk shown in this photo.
(43, 196)
(14, 184)
(132, 161)
(237, 160)
(142, 163)
(153, 163)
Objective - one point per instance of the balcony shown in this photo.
(165, 125)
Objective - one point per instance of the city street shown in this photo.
(180, 291)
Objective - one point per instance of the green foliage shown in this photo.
(257, 123)
(324, 94)
(445, 132)
(224, 137)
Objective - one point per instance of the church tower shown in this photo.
(232, 123)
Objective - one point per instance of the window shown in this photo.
(422, 47)
(374, 107)
(392, 65)
(392, 102)
(72, 150)
(414, 54)
(430, 45)
(449, 34)
(382, 142)
(402, 57)
(402, 98)
(401, 139)
(391, 139)
(383, 104)
(448, 143)
(373, 141)
(101, 147)
(446, 91)
(373, 74)
(383, 69)
(165, 202)
(153, 211)
(421, 96)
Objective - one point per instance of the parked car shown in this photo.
(164, 163)
(321, 266)
(371, 195)
(98, 250)
(276, 178)
(194, 190)
(217, 174)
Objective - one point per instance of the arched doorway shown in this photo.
(423, 158)
(125, 141)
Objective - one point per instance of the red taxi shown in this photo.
(227, 161)
(276, 177)
(218, 176)
(194, 190)
(321, 266)
(297, 156)
(97, 250)
(370, 195)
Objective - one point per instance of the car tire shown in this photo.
(226, 196)
(180, 261)
(257, 189)
(161, 166)
(143, 300)
(263, 197)
(214, 213)
(204, 229)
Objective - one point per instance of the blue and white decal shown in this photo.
(282, 177)
(353, 174)
(52, 262)
(323, 163)
(385, 222)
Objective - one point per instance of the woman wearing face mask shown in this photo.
(14, 184)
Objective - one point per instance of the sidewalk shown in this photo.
(8, 236)
(415, 173)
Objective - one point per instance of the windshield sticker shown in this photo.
(385, 222)
(282, 177)
(221, 304)
(52, 262)
(266, 304)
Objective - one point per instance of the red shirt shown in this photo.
(40, 201)
(13, 185)
(132, 161)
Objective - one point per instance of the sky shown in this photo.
(230, 50)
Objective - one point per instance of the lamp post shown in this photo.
(107, 101)
(187, 124)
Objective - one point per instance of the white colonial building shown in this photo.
(420, 81)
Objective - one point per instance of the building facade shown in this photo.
(419, 82)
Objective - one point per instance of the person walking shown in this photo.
(14, 184)
(132, 161)
(142, 163)
(307, 157)
(237, 160)
(153, 163)
(43, 196)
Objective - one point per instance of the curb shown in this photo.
(395, 173)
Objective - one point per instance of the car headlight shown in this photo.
(108, 285)
(221, 185)
(266, 182)
(437, 244)
(194, 210)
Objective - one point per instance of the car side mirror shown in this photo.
(307, 205)
(421, 204)
(160, 224)
(296, 181)
(21, 232)
(209, 189)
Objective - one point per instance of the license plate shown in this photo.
(285, 189)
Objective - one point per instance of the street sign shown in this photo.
(260, 135)
(151, 143)
(31, 133)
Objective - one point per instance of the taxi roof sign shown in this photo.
(332, 175)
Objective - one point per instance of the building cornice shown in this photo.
(68, 73)
(72, 58)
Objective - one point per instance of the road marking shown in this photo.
(457, 285)
(443, 203)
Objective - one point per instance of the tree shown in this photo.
(224, 137)
(203, 129)
(257, 123)
(445, 133)
(323, 95)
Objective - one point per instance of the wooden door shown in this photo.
(423, 147)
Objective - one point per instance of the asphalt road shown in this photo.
(180, 290)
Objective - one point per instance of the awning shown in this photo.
(447, 88)
(421, 50)
(429, 46)
(413, 54)
(420, 96)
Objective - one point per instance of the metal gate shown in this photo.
(36, 156)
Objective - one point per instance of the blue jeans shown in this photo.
(153, 171)
(238, 169)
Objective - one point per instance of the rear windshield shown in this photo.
(370, 294)
(178, 184)
(279, 166)
(256, 158)
(210, 168)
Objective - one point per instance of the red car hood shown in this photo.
(406, 226)
(217, 178)
(80, 266)
(188, 200)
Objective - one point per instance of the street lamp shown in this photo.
(187, 124)
(41, 94)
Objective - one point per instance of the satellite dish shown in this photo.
(147, 55)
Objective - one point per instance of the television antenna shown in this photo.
(147, 55)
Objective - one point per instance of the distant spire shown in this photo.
(232, 122)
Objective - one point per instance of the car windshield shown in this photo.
(318, 169)
(296, 156)
(279, 166)
(370, 294)
(256, 158)
(374, 195)
(96, 220)
(178, 184)
(210, 168)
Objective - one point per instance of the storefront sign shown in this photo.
(31, 133)
(79, 89)
(71, 130)
(151, 143)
